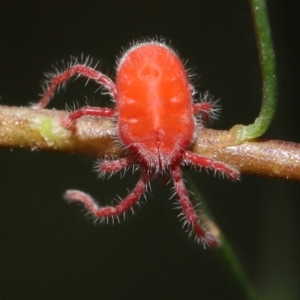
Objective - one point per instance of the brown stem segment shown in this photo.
(262, 157)
(42, 130)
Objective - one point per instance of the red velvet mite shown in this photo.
(156, 118)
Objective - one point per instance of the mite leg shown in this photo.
(188, 210)
(79, 70)
(207, 108)
(88, 111)
(109, 167)
(202, 107)
(103, 213)
(202, 161)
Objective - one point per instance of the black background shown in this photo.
(48, 249)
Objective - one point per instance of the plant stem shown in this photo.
(41, 129)
(267, 61)
(225, 251)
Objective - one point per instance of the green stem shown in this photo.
(229, 258)
(226, 253)
(267, 61)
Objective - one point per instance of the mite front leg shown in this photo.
(88, 111)
(80, 70)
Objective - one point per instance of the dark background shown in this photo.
(48, 250)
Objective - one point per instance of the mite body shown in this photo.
(156, 118)
(154, 106)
